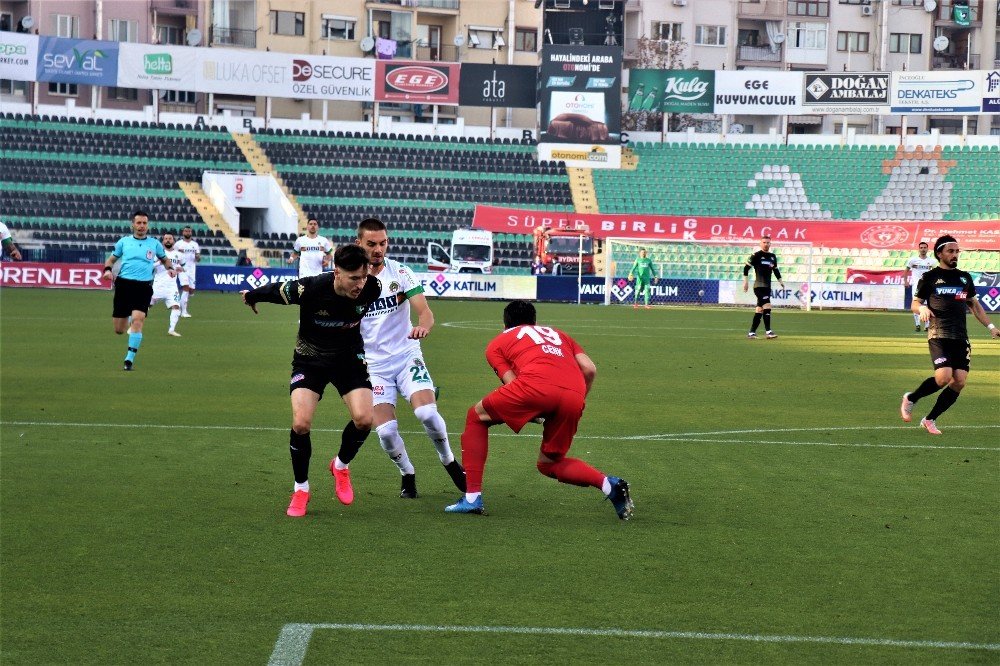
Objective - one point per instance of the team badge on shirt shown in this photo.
(149, 255)
(393, 286)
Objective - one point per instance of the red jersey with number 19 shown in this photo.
(538, 355)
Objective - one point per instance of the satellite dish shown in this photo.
(940, 43)
(779, 38)
(930, 5)
(367, 44)
(27, 23)
(161, 93)
(736, 128)
(194, 37)
(459, 40)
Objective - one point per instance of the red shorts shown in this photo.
(516, 404)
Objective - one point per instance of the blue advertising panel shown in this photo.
(989, 296)
(238, 278)
(84, 61)
(560, 288)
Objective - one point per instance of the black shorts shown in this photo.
(949, 353)
(763, 295)
(131, 295)
(349, 372)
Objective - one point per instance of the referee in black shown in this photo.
(764, 263)
(943, 297)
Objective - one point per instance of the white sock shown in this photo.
(472, 497)
(436, 429)
(392, 444)
(301, 486)
(916, 320)
(337, 464)
(175, 315)
(606, 486)
(185, 295)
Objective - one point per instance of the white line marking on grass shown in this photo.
(860, 445)
(816, 429)
(290, 648)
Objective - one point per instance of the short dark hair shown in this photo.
(350, 257)
(312, 218)
(921, 243)
(139, 212)
(370, 224)
(941, 242)
(519, 313)
(765, 237)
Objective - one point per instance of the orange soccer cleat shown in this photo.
(342, 478)
(297, 507)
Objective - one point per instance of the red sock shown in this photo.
(475, 447)
(573, 471)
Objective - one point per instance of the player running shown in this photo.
(942, 299)
(643, 272)
(547, 375)
(312, 251)
(917, 266)
(165, 284)
(764, 263)
(191, 253)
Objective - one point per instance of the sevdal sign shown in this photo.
(81, 61)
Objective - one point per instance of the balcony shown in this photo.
(175, 7)
(750, 54)
(443, 53)
(762, 9)
(955, 61)
(421, 4)
(246, 39)
(946, 16)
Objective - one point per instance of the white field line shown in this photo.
(293, 641)
(704, 437)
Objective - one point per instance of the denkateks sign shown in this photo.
(944, 92)
(852, 92)
(498, 85)
(416, 82)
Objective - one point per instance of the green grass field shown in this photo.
(784, 513)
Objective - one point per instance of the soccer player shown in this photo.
(165, 284)
(642, 272)
(191, 253)
(917, 266)
(395, 361)
(764, 263)
(312, 251)
(8, 243)
(328, 350)
(545, 375)
(943, 297)
(134, 284)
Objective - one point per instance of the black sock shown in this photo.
(756, 321)
(767, 320)
(929, 387)
(300, 446)
(350, 442)
(945, 400)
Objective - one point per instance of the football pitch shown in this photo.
(784, 513)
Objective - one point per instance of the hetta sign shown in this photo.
(412, 82)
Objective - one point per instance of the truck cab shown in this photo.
(565, 251)
(471, 251)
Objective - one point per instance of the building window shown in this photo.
(525, 39)
(908, 3)
(8, 87)
(806, 35)
(855, 2)
(67, 89)
(179, 97)
(168, 34)
(336, 27)
(669, 32)
(901, 42)
(123, 94)
(809, 7)
(292, 24)
(120, 30)
(710, 35)
(484, 38)
(855, 42)
(67, 26)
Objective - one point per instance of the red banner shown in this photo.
(62, 276)
(416, 82)
(861, 276)
(883, 235)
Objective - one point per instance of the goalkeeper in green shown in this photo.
(642, 272)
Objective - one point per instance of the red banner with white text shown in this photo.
(971, 235)
(861, 276)
(60, 276)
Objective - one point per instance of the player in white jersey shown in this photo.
(165, 283)
(395, 362)
(191, 254)
(312, 251)
(8, 243)
(917, 266)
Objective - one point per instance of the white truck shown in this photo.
(471, 252)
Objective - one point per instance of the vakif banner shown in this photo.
(416, 82)
(945, 92)
(287, 75)
(580, 90)
(758, 92)
(849, 92)
(18, 56)
(498, 85)
(156, 67)
(82, 61)
(671, 90)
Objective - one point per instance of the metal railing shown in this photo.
(955, 61)
(760, 54)
(234, 37)
(443, 53)
(174, 7)
(424, 4)
(772, 9)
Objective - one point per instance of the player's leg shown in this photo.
(304, 397)
(959, 354)
(187, 290)
(916, 322)
(140, 295)
(359, 405)
(387, 429)
(416, 385)
(647, 290)
(758, 314)
(175, 316)
(475, 448)
(766, 316)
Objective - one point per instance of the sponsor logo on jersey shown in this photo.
(940, 360)
(149, 255)
(957, 292)
(297, 377)
(323, 313)
(378, 390)
(419, 363)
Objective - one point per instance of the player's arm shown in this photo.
(746, 273)
(197, 255)
(425, 318)
(293, 257)
(8, 245)
(280, 293)
(982, 317)
(918, 304)
(588, 369)
(498, 361)
(631, 271)
(115, 255)
(777, 274)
